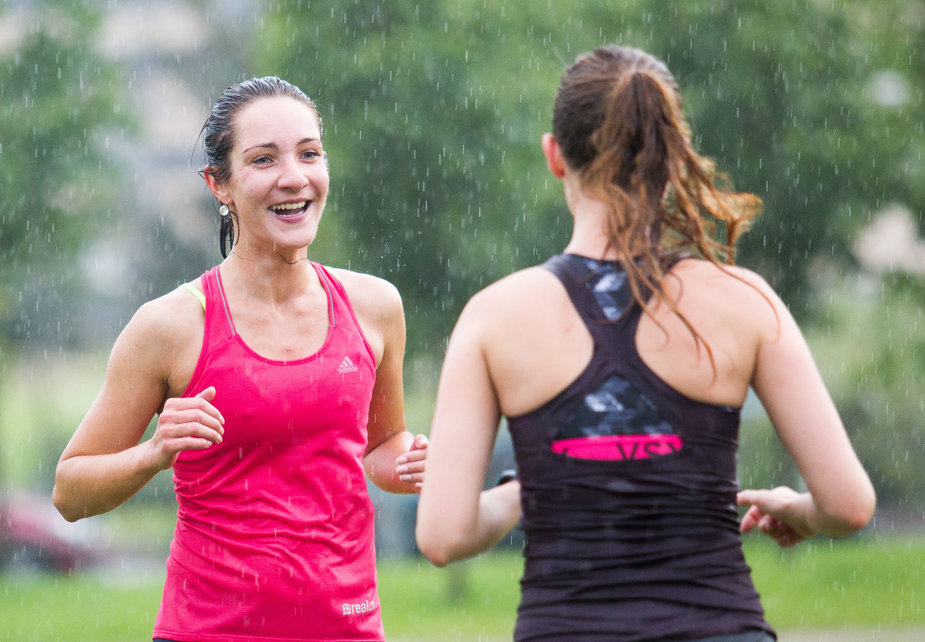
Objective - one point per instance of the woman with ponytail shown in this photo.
(621, 366)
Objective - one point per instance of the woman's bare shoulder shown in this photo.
(169, 314)
(727, 296)
(369, 293)
(529, 298)
(703, 269)
(515, 288)
(159, 346)
(161, 328)
(736, 284)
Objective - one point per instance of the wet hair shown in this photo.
(619, 122)
(218, 133)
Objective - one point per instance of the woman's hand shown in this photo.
(780, 513)
(186, 423)
(410, 467)
(397, 464)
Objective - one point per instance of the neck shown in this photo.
(589, 230)
(297, 259)
(273, 277)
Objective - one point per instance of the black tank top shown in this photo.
(628, 493)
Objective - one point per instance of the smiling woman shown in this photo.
(277, 179)
(277, 384)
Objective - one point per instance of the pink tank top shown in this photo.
(274, 536)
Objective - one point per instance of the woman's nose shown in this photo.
(291, 174)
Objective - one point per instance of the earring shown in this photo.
(223, 210)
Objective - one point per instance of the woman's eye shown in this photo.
(310, 154)
(261, 160)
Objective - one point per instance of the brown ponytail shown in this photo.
(619, 121)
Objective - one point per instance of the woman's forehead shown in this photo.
(275, 120)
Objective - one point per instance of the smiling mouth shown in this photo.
(289, 209)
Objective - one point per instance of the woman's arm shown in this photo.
(456, 519)
(103, 465)
(394, 458)
(840, 498)
(397, 465)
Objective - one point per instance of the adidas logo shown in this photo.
(347, 366)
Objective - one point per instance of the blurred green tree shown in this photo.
(61, 111)
(416, 145)
(434, 111)
(786, 97)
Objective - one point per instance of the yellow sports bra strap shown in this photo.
(193, 289)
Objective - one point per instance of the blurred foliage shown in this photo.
(870, 344)
(431, 137)
(785, 95)
(873, 345)
(432, 118)
(435, 112)
(58, 185)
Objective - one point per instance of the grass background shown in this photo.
(863, 583)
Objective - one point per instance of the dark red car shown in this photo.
(34, 536)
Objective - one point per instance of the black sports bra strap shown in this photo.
(573, 274)
(591, 295)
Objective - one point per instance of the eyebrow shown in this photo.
(275, 146)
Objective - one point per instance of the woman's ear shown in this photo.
(218, 189)
(553, 154)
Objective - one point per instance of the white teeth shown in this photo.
(289, 206)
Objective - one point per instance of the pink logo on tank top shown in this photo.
(619, 447)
